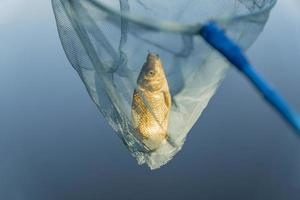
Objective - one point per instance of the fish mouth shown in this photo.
(153, 61)
(152, 57)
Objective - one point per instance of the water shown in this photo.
(54, 144)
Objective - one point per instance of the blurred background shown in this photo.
(54, 143)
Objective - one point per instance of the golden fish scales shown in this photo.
(151, 103)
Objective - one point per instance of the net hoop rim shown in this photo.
(171, 26)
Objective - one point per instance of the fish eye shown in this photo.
(151, 73)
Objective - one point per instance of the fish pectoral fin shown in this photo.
(136, 108)
(135, 100)
(168, 100)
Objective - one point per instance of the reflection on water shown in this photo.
(54, 144)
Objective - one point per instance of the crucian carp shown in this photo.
(151, 103)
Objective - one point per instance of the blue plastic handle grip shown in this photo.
(216, 37)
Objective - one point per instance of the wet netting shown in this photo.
(146, 66)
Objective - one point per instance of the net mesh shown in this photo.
(107, 43)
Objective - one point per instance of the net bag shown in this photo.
(143, 62)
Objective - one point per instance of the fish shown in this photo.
(151, 103)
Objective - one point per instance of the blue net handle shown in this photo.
(217, 38)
